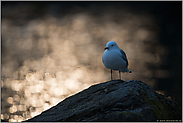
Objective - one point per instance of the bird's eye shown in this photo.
(111, 45)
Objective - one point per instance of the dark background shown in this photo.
(167, 18)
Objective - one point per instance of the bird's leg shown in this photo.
(111, 74)
(119, 75)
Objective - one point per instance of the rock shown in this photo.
(114, 101)
(3, 120)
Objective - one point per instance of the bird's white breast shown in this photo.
(113, 59)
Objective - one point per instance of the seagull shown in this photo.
(115, 58)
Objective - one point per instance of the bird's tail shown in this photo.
(127, 70)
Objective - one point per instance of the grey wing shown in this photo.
(124, 56)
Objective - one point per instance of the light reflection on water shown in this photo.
(49, 59)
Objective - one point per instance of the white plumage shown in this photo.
(115, 58)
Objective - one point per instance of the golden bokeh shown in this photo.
(10, 100)
(62, 56)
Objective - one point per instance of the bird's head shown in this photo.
(111, 45)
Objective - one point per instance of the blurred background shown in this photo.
(52, 50)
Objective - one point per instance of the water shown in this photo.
(51, 50)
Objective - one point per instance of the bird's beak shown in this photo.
(106, 48)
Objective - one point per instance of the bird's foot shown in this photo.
(120, 80)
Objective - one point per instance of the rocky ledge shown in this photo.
(114, 101)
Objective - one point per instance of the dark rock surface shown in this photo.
(114, 101)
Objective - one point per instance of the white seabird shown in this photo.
(115, 58)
